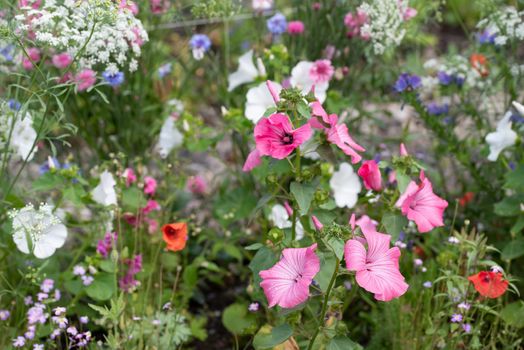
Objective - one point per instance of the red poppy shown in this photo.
(466, 198)
(480, 63)
(175, 235)
(489, 284)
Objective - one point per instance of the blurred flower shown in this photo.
(295, 27)
(246, 72)
(418, 262)
(253, 307)
(466, 327)
(275, 136)
(87, 280)
(321, 71)
(84, 319)
(281, 219)
(262, 5)
(196, 185)
(169, 138)
(33, 59)
(113, 79)
(36, 314)
(464, 306)
(496, 268)
(377, 269)
(159, 6)
(519, 108)
(7, 52)
(466, 198)
(14, 105)
(39, 229)
(149, 185)
(436, 109)
(277, 24)
(502, 138)
(302, 79)
(18, 342)
(345, 185)
(258, 100)
(453, 240)
(252, 161)
(130, 176)
(479, 62)
(85, 79)
(47, 285)
(354, 22)
(286, 284)
(104, 193)
(4, 315)
(316, 222)
(165, 70)
(489, 284)
(418, 203)
(485, 37)
(175, 235)
(407, 82)
(38, 347)
(200, 44)
(456, 318)
(370, 174)
(62, 60)
(427, 284)
(34, 4)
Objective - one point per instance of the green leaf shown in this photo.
(512, 314)
(75, 193)
(327, 266)
(49, 181)
(515, 179)
(277, 336)
(304, 110)
(237, 319)
(343, 343)
(513, 249)
(198, 328)
(133, 199)
(263, 259)
(394, 223)
(103, 287)
(519, 225)
(402, 181)
(303, 194)
(108, 266)
(509, 206)
(254, 246)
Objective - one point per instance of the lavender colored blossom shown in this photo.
(407, 82)
(427, 284)
(436, 109)
(59, 310)
(200, 41)
(47, 285)
(463, 305)
(453, 240)
(14, 105)
(7, 52)
(418, 262)
(61, 321)
(456, 318)
(105, 245)
(114, 79)
(38, 347)
(156, 322)
(165, 70)
(42, 296)
(84, 319)
(79, 270)
(72, 330)
(277, 24)
(253, 307)
(4, 315)
(485, 37)
(517, 118)
(87, 280)
(466, 327)
(18, 342)
(36, 314)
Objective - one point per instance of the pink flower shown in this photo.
(85, 79)
(34, 57)
(370, 173)
(275, 136)
(150, 206)
(62, 60)
(149, 185)
(321, 71)
(35, 4)
(409, 13)
(336, 133)
(354, 22)
(197, 185)
(159, 6)
(152, 225)
(129, 5)
(138, 38)
(287, 283)
(403, 150)
(130, 176)
(295, 27)
(316, 222)
(253, 160)
(420, 204)
(376, 268)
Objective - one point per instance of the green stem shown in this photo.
(325, 304)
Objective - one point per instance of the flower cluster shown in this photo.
(16, 130)
(503, 26)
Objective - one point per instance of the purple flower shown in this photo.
(464, 306)
(517, 118)
(485, 37)
(4, 315)
(277, 24)
(59, 310)
(444, 78)
(253, 307)
(7, 52)
(79, 270)
(72, 330)
(436, 109)
(14, 105)
(55, 333)
(407, 82)
(427, 284)
(87, 280)
(58, 295)
(18, 342)
(36, 314)
(418, 262)
(47, 285)
(200, 41)
(466, 327)
(42, 296)
(38, 347)
(164, 70)
(114, 79)
(167, 306)
(61, 321)
(135, 264)
(84, 319)
(456, 318)
(105, 245)
(28, 300)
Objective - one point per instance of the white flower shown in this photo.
(23, 138)
(262, 5)
(346, 186)
(169, 138)
(37, 231)
(519, 108)
(104, 193)
(502, 138)
(259, 100)
(301, 79)
(246, 72)
(280, 218)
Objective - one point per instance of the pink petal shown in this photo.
(253, 160)
(355, 255)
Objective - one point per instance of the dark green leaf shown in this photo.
(513, 250)
(303, 194)
(512, 314)
(103, 287)
(237, 319)
(277, 336)
(343, 343)
(394, 223)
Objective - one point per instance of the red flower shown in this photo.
(480, 63)
(175, 235)
(489, 284)
(466, 198)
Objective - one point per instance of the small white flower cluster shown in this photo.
(506, 24)
(455, 67)
(17, 132)
(113, 35)
(37, 230)
(384, 25)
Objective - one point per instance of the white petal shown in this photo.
(259, 99)
(346, 186)
(105, 193)
(301, 79)
(502, 138)
(519, 108)
(169, 138)
(246, 72)
(20, 239)
(279, 216)
(43, 249)
(56, 235)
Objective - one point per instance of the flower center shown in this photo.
(287, 139)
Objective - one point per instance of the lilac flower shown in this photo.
(105, 245)
(84, 319)
(453, 240)
(407, 82)
(79, 270)
(4, 315)
(277, 24)
(156, 322)
(200, 44)
(28, 300)
(82, 339)
(164, 70)
(36, 314)
(72, 330)
(14, 105)
(61, 321)
(87, 280)
(427, 284)
(444, 78)
(418, 262)
(456, 318)
(253, 307)
(114, 79)
(347, 285)
(47, 285)
(166, 306)
(30, 334)
(517, 118)
(466, 327)
(463, 305)
(58, 295)
(135, 264)
(50, 163)
(55, 334)
(436, 109)
(18, 342)
(42, 296)
(485, 37)
(7, 52)
(59, 310)
(38, 347)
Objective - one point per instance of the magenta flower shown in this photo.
(336, 133)
(420, 204)
(197, 185)
(295, 27)
(62, 60)
(253, 160)
(85, 79)
(34, 57)
(159, 7)
(275, 136)
(321, 71)
(149, 185)
(286, 284)
(370, 174)
(376, 268)
(130, 176)
(151, 205)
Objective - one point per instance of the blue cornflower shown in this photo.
(407, 82)
(445, 78)
(277, 24)
(200, 44)
(165, 70)
(486, 37)
(14, 105)
(436, 109)
(51, 162)
(7, 52)
(517, 118)
(114, 79)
